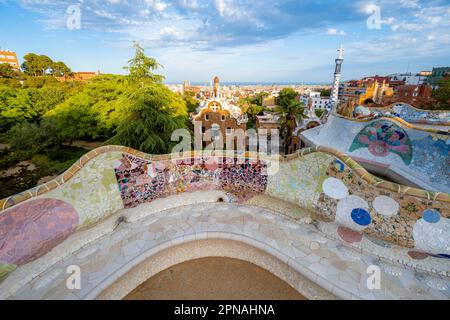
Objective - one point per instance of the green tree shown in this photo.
(95, 110)
(153, 116)
(260, 97)
(442, 93)
(36, 65)
(37, 138)
(248, 106)
(46, 98)
(15, 107)
(285, 96)
(325, 92)
(289, 110)
(59, 69)
(191, 103)
(141, 67)
(38, 82)
(7, 71)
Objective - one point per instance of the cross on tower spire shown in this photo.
(340, 50)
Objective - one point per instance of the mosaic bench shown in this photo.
(329, 185)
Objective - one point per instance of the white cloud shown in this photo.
(156, 5)
(409, 3)
(336, 32)
(189, 4)
(169, 31)
(214, 25)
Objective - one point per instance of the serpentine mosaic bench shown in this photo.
(418, 156)
(411, 114)
(327, 184)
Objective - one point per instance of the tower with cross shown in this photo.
(337, 77)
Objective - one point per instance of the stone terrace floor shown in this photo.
(332, 264)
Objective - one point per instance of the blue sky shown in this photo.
(238, 40)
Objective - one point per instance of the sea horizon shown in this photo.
(252, 83)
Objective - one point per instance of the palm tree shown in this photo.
(289, 111)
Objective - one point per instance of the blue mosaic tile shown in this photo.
(431, 216)
(361, 216)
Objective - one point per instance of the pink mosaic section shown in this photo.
(30, 230)
(143, 180)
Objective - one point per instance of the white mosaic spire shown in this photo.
(337, 77)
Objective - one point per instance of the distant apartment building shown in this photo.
(436, 75)
(10, 57)
(415, 95)
(409, 78)
(314, 101)
(374, 88)
(190, 90)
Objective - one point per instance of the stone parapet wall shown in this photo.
(329, 184)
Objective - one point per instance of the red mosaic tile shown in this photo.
(349, 235)
(32, 229)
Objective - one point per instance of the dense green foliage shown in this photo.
(258, 99)
(40, 116)
(319, 112)
(191, 103)
(155, 112)
(31, 101)
(251, 107)
(40, 65)
(325, 92)
(7, 71)
(442, 94)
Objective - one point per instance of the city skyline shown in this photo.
(280, 42)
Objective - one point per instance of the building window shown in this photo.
(223, 117)
(229, 131)
(203, 129)
(206, 117)
(215, 131)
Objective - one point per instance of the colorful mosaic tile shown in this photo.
(143, 180)
(428, 151)
(382, 137)
(299, 180)
(412, 115)
(330, 184)
(388, 215)
(31, 229)
(93, 191)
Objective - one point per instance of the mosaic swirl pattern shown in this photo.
(382, 137)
